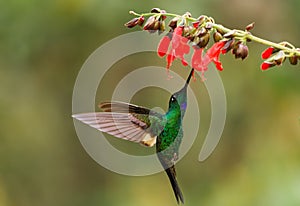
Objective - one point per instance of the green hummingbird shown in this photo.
(147, 127)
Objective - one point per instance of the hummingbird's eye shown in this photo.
(173, 99)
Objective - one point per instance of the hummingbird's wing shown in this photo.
(126, 121)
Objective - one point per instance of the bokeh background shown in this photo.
(43, 45)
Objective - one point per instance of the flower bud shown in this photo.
(201, 32)
(228, 46)
(217, 36)
(208, 25)
(141, 21)
(220, 31)
(155, 10)
(240, 50)
(162, 26)
(163, 17)
(203, 41)
(187, 14)
(173, 22)
(188, 32)
(149, 25)
(156, 25)
(293, 60)
(250, 26)
(201, 19)
(132, 23)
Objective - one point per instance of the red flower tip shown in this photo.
(163, 46)
(170, 59)
(196, 24)
(267, 53)
(218, 65)
(266, 65)
(184, 62)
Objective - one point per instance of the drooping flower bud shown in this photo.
(156, 25)
(150, 23)
(132, 23)
(208, 25)
(141, 21)
(293, 60)
(201, 32)
(228, 46)
(187, 14)
(201, 19)
(203, 40)
(250, 26)
(217, 36)
(220, 31)
(173, 22)
(240, 50)
(188, 32)
(163, 17)
(162, 27)
(155, 10)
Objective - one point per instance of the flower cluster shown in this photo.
(186, 32)
(275, 57)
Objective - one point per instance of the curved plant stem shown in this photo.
(286, 47)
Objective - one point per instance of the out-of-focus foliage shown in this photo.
(42, 47)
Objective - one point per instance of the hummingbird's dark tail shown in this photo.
(172, 177)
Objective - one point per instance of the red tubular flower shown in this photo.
(163, 46)
(197, 59)
(200, 62)
(215, 50)
(178, 47)
(212, 55)
(267, 53)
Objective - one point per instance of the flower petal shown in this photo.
(163, 46)
(218, 65)
(215, 49)
(267, 53)
(184, 62)
(266, 65)
(197, 57)
(170, 59)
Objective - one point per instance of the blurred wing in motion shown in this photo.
(125, 121)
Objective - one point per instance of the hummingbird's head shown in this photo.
(178, 100)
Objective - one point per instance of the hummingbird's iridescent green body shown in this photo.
(169, 140)
(140, 124)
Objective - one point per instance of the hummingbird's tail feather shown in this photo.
(172, 177)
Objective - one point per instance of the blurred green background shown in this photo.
(43, 45)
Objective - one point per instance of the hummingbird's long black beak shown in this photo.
(189, 77)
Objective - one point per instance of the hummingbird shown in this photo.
(147, 127)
